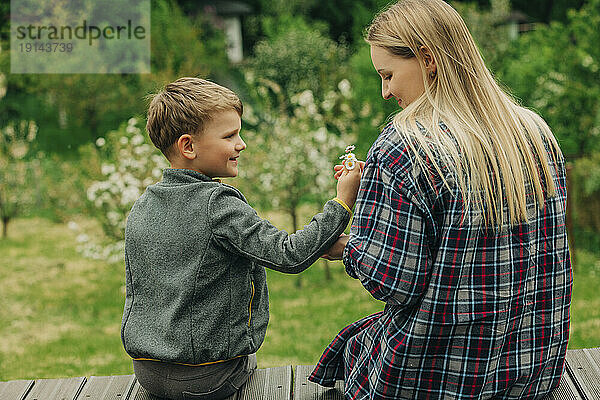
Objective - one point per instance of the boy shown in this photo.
(196, 308)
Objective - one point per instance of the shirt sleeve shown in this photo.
(388, 248)
(239, 229)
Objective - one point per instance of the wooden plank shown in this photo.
(270, 383)
(107, 387)
(585, 373)
(306, 390)
(139, 393)
(56, 389)
(16, 390)
(567, 390)
(594, 355)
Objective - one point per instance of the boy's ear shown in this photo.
(185, 146)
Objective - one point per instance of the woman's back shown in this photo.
(459, 228)
(494, 313)
(471, 311)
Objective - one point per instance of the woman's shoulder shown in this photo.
(391, 147)
(395, 157)
(398, 149)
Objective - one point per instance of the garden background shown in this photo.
(74, 156)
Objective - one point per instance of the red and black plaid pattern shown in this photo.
(471, 312)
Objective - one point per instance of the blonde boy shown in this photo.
(196, 308)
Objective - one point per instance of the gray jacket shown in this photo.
(195, 253)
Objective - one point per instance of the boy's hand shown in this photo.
(348, 182)
(339, 168)
(337, 250)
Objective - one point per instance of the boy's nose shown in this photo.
(241, 145)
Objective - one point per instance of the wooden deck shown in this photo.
(580, 381)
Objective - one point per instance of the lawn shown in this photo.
(61, 313)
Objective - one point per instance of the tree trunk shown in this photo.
(5, 226)
(294, 214)
(327, 270)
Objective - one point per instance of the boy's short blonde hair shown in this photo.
(184, 106)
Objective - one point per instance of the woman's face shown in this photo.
(401, 78)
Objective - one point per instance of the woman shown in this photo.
(459, 228)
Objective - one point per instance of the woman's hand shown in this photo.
(337, 250)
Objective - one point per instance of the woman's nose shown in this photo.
(385, 91)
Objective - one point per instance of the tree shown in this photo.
(555, 70)
(73, 109)
(19, 171)
(299, 58)
(290, 156)
(128, 163)
(300, 117)
(547, 11)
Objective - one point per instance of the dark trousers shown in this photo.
(182, 382)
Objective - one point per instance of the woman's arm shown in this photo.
(388, 247)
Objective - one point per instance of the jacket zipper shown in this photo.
(250, 306)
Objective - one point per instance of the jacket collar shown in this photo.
(179, 175)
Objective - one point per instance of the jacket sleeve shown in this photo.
(388, 248)
(239, 229)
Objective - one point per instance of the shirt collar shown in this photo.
(179, 175)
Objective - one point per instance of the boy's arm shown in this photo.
(239, 229)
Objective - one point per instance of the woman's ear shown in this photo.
(185, 146)
(428, 59)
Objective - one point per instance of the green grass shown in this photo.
(60, 314)
(585, 305)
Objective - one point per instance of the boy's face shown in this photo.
(219, 145)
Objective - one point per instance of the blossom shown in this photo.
(107, 169)
(344, 87)
(306, 98)
(137, 140)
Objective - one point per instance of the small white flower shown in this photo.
(327, 105)
(306, 98)
(123, 140)
(100, 142)
(113, 217)
(132, 121)
(107, 169)
(137, 140)
(344, 87)
(321, 135)
(132, 129)
(147, 182)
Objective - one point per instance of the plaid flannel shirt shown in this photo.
(470, 312)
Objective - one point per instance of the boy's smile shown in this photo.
(219, 145)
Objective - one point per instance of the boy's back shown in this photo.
(191, 301)
(196, 307)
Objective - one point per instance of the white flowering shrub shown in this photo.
(293, 144)
(128, 164)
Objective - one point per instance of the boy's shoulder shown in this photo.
(229, 190)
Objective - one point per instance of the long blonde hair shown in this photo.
(497, 147)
